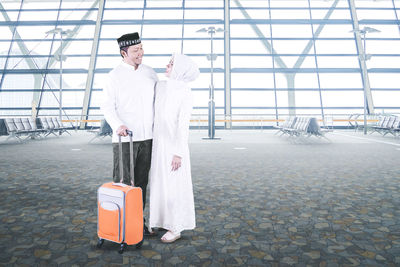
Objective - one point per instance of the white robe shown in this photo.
(171, 193)
(128, 98)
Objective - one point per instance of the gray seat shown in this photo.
(383, 120)
(19, 125)
(44, 124)
(396, 126)
(53, 123)
(48, 126)
(3, 128)
(300, 127)
(104, 130)
(393, 127)
(29, 131)
(59, 126)
(389, 125)
(35, 127)
(287, 126)
(12, 129)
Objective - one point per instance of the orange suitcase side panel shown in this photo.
(134, 216)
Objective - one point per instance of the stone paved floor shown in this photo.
(261, 200)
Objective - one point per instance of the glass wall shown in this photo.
(30, 55)
(286, 56)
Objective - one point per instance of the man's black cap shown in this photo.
(128, 40)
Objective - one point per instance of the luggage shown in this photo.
(120, 209)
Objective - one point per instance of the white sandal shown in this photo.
(170, 237)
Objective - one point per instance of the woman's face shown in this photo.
(169, 68)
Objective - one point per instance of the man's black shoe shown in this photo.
(146, 231)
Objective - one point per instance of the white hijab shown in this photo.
(184, 69)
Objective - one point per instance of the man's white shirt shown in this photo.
(128, 99)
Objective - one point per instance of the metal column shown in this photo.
(363, 65)
(92, 64)
(227, 56)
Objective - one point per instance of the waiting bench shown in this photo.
(301, 126)
(24, 128)
(387, 124)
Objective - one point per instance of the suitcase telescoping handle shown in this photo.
(121, 169)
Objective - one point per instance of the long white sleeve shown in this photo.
(182, 131)
(109, 105)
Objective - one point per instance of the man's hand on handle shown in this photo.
(122, 130)
(176, 163)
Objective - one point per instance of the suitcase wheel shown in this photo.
(100, 243)
(139, 245)
(122, 248)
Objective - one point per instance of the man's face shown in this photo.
(134, 55)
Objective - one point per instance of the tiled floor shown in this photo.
(261, 200)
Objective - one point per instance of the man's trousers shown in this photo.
(141, 161)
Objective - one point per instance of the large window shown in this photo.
(286, 56)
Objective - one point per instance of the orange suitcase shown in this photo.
(120, 210)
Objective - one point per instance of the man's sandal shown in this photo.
(170, 237)
(148, 233)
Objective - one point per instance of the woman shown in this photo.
(171, 197)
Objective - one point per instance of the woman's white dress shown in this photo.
(171, 192)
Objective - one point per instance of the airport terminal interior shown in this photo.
(294, 132)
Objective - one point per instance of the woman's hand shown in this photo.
(176, 163)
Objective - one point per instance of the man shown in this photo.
(129, 105)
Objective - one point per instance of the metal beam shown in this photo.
(196, 21)
(141, 21)
(20, 42)
(378, 89)
(316, 62)
(289, 77)
(204, 108)
(311, 44)
(363, 65)
(273, 66)
(41, 1)
(259, 33)
(270, 49)
(397, 16)
(73, 33)
(183, 24)
(92, 64)
(215, 70)
(29, 61)
(227, 56)
(37, 96)
(11, 43)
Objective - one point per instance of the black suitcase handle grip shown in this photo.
(121, 169)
